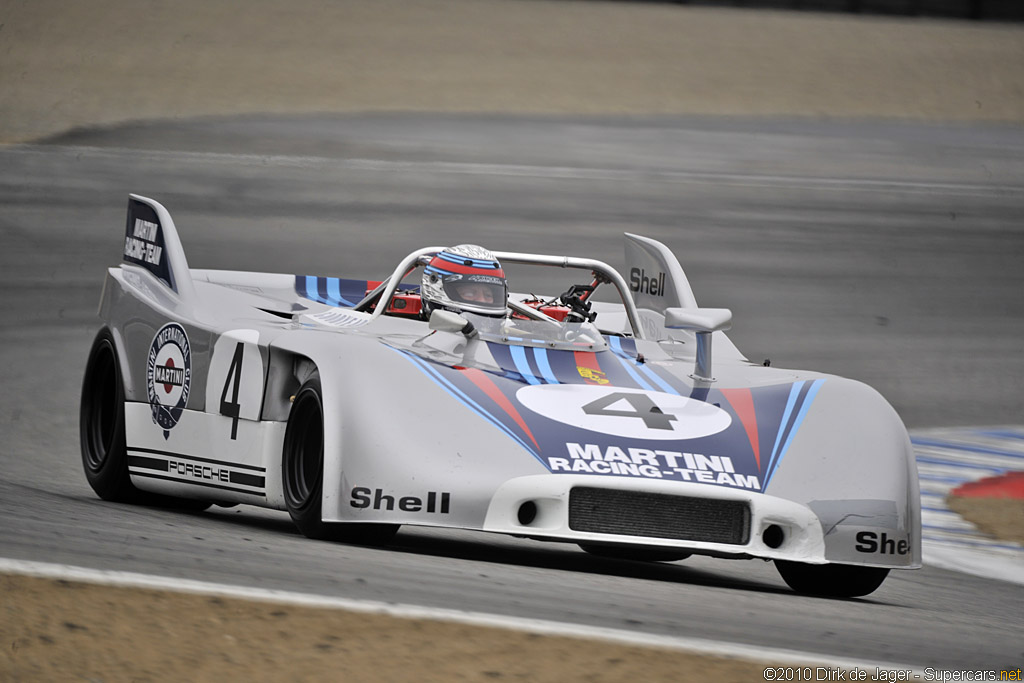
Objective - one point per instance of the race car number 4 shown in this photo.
(234, 387)
(630, 413)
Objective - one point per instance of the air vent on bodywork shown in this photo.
(657, 515)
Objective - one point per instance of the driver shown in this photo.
(464, 278)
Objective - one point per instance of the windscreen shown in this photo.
(517, 332)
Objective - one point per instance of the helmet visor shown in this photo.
(477, 291)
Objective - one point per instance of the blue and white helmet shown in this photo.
(465, 278)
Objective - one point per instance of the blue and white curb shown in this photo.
(947, 458)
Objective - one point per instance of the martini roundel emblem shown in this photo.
(168, 375)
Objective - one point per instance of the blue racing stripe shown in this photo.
(804, 407)
(616, 345)
(653, 376)
(626, 361)
(433, 270)
(311, 290)
(334, 293)
(794, 391)
(544, 365)
(522, 365)
(629, 360)
(461, 260)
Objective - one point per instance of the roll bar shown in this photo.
(389, 286)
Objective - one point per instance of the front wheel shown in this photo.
(831, 580)
(302, 473)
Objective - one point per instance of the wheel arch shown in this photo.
(294, 358)
(121, 354)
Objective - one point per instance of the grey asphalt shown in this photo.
(887, 252)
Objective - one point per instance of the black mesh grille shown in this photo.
(657, 515)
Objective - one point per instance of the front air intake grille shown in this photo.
(657, 515)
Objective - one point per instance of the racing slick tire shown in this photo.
(302, 474)
(634, 553)
(831, 580)
(101, 430)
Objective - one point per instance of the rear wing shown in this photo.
(656, 280)
(151, 243)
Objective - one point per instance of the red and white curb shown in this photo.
(947, 459)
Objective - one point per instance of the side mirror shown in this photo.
(447, 321)
(698, 319)
(703, 321)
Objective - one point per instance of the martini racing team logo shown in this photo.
(168, 375)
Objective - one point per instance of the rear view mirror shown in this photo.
(703, 321)
(698, 319)
(447, 321)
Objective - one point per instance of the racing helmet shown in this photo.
(464, 278)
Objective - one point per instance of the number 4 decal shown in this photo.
(643, 408)
(624, 412)
(234, 385)
(232, 408)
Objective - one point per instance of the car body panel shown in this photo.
(439, 429)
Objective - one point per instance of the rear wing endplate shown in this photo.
(656, 280)
(151, 243)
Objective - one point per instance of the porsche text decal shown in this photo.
(168, 466)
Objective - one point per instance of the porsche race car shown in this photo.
(607, 424)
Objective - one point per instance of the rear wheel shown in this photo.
(101, 431)
(831, 580)
(302, 472)
(101, 424)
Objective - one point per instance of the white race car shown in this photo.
(558, 418)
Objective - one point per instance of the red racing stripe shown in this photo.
(589, 368)
(742, 401)
(467, 270)
(484, 383)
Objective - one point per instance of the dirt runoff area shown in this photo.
(1002, 518)
(55, 630)
(65, 65)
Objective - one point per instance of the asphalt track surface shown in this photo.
(886, 252)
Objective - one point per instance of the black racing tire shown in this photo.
(101, 431)
(831, 580)
(101, 424)
(302, 473)
(635, 553)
